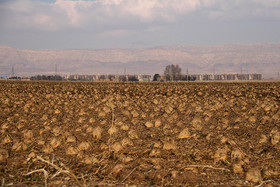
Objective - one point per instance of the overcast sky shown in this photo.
(93, 24)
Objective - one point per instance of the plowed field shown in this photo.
(160, 134)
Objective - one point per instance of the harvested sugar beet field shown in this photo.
(150, 134)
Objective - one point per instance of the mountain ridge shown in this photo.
(261, 58)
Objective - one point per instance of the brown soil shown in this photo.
(170, 134)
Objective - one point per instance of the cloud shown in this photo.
(268, 3)
(28, 15)
(81, 13)
(147, 11)
(127, 20)
(73, 9)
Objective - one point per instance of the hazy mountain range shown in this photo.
(233, 58)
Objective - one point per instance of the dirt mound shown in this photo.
(55, 133)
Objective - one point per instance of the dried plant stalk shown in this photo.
(66, 171)
(46, 175)
(208, 166)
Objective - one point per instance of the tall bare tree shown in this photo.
(172, 72)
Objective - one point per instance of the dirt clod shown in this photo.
(149, 124)
(184, 134)
(145, 134)
(220, 155)
(71, 151)
(169, 146)
(97, 133)
(254, 175)
(275, 138)
(117, 147)
(4, 154)
(84, 146)
(237, 168)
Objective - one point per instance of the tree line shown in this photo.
(45, 77)
(173, 73)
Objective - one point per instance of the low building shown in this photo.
(233, 77)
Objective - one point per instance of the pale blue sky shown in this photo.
(80, 24)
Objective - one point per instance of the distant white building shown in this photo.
(205, 77)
